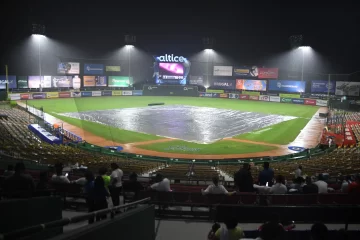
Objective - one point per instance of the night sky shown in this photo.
(248, 31)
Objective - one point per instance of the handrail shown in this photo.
(65, 221)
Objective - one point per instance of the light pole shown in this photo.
(303, 49)
(38, 31)
(129, 41)
(208, 51)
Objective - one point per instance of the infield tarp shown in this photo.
(188, 123)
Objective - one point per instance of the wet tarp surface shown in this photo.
(189, 123)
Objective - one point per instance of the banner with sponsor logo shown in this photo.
(22, 82)
(119, 81)
(25, 96)
(224, 95)
(15, 96)
(39, 95)
(127, 93)
(61, 81)
(52, 95)
(196, 80)
(297, 100)
(268, 73)
(274, 99)
(322, 103)
(243, 97)
(10, 80)
(35, 81)
(287, 95)
(96, 69)
(285, 100)
(75, 94)
(223, 71)
(246, 71)
(113, 68)
(96, 93)
(86, 94)
(264, 98)
(256, 98)
(347, 88)
(250, 93)
(106, 93)
(214, 91)
(286, 86)
(68, 68)
(64, 94)
(310, 102)
(91, 81)
(116, 93)
(216, 95)
(233, 95)
(205, 94)
(223, 84)
(322, 86)
(137, 92)
(254, 85)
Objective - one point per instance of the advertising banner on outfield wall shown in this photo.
(204, 94)
(106, 93)
(10, 79)
(250, 93)
(286, 86)
(246, 71)
(39, 95)
(347, 88)
(256, 98)
(264, 98)
(310, 102)
(214, 91)
(22, 82)
(322, 103)
(15, 96)
(297, 100)
(116, 93)
(52, 95)
(322, 86)
(127, 93)
(137, 92)
(75, 94)
(196, 80)
(252, 85)
(287, 95)
(96, 69)
(68, 68)
(223, 84)
(268, 73)
(61, 81)
(120, 81)
(25, 96)
(244, 97)
(113, 68)
(86, 94)
(64, 94)
(234, 96)
(96, 93)
(274, 99)
(223, 71)
(224, 95)
(285, 100)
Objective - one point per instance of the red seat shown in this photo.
(326, 198)
(165, 197)
(181, 197)
(277, 199)
(197, 198)
(212, 199)
(248, 198)
(232, 200)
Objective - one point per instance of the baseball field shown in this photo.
(191, 125)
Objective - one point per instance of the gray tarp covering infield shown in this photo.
(189, 123)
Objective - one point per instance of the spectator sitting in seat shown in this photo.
(243, 179)
(102, 172)
(354, 187)
(213, 230)
(321, 184)
(310, 187)
(58, 177)
(132, 187)
(345, 181)
(81, 181)
(19, 184)
(215, 188)
(266, 176)
(162, 184)
(279, 187)
(298, 172)
(10, 171)
(319, 231)
(231, 232)
(298, 185)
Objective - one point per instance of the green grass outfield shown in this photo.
(282, 133)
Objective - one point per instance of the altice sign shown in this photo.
(171, 58)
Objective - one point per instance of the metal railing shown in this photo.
(65, 221)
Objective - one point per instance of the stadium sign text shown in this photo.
(171, 58)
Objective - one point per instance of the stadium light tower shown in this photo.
(130, 40)
(303, 50)
(38, 32)
(208, 43)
